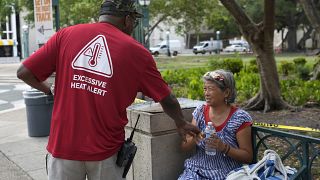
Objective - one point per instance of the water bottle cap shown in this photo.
(210, 123)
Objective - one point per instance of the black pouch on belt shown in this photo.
(127, 152)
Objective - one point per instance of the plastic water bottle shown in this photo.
(208, 131)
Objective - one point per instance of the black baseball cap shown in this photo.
(119, 8)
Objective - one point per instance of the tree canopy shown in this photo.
(71, 11)
(186, 15)
(6, 8)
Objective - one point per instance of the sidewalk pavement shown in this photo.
(21, 157)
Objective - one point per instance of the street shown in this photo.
(11, 88)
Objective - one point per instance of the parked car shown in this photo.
(235, 48)
(175, 47)
(207, 46)
(240, 42)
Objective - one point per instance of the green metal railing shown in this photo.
(299, 151)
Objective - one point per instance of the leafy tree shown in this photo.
(71, 11)
(168, 11)
(184, 14)
(78, 11)
(192, 15)
(311, 9)
(290, 18)
(6, 8)
(260, 36)
(221, 20)
(160, 11)
(28, 6)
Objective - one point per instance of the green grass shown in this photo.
(183, 62)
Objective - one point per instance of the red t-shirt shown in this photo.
(99, 70)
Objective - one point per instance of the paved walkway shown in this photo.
(21, 157)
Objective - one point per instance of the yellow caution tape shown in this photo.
(271, 125)
(261, 124)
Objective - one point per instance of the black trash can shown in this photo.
(39, 111)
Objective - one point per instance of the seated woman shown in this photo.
(232, 139)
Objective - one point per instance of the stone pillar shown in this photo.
(159, 155)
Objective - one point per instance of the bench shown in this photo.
(298, 151)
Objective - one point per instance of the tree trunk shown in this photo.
(314, 41)
(188, 41)
(292, 38)
(260, 37)
(302, 41)
(282, 40)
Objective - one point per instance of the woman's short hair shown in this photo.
(225, 80)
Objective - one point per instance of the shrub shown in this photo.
(297, 92)
(253, 62)
(234, 65)
(215, 63)
(303, 72)
(317, 62)
(316, 69)
(300, 61)
(188, 83)
(185, 82)
(252, 67)
(286, 68)
(195, 89)
(247, 85)
(173, 76)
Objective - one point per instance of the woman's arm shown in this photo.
(244, 154)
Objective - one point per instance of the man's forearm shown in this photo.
(172, 107)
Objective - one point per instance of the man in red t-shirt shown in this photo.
(99, 70)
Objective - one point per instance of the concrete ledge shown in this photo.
(159, 155)
(154, 120)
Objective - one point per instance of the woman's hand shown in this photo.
(215, 142)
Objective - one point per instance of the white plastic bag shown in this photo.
(269, 167)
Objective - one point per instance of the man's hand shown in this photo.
(171, 107)
(188, 128)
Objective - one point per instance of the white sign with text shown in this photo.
(43, 20)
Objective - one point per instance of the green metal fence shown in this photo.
(298, 151)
